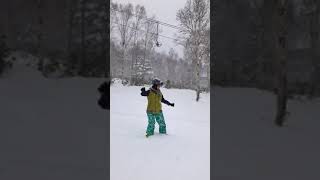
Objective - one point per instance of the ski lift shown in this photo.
(158, 44)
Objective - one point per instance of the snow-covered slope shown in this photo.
(51, 128)
(247, 145)
(183, 154)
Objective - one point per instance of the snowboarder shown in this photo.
(104, 101)
(154, 110)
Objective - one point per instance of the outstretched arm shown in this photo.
(166, 102)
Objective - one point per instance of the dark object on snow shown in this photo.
(104, 100)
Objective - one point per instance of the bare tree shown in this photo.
(71, 13)
(280, 37)
(140, 13)
(83, 35)
(112, 15)
(264, 39)
(172, 63)
(206, 51)
(106, 37)
(149, 38)
(40, 35)
(123, 17)
(272, 23)
(194, 21)
(311, 10)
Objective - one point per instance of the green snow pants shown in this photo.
(152, 117)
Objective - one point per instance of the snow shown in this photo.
(51, 128)
(182, 154)
(247, 144)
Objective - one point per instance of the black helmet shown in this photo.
(157, 82)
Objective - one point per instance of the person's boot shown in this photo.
(162, 130)
(147, 135)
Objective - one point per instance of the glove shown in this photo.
(143, 89)
(172, 104)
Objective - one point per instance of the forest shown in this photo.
(135, 38)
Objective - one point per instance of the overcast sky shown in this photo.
(165, 11)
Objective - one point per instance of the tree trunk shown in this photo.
(198, 89)
(83, 36)
(314, 33)
(198, 95)
(265, 37)
(123, 62)
(208, 76)
(132, 64)
(8, 25)
(70, 26)
(134, 56)
(71, 11)
(145, 52)
(40, 37)
(280, 22)
(106, 32)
